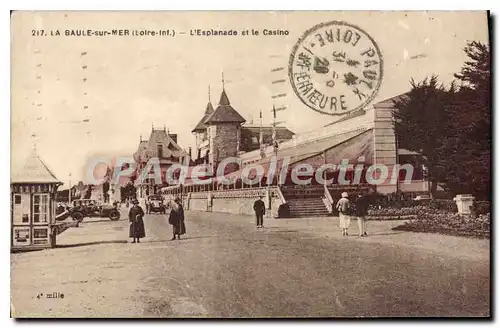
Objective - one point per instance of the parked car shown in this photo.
(62, 212)
(93, 208)
(155, 204)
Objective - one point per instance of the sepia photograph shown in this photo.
(250, 164)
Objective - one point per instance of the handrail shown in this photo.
(280, 195)
(328, 196)
(328, 205)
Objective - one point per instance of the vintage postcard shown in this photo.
(288, 164)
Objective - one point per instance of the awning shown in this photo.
(333, 149)
(350, 146)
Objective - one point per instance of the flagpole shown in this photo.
(274, 132)
(275, 149)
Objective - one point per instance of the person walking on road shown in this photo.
(135, 216)
(361, 209)
(176, 218)
(260, 209)
(343, 206)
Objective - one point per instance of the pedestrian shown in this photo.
(343, 206)
(147, 205)
(361, 210)
(135, 215)
(176, 218)
(260, 209)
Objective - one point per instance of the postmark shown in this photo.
(335, 68)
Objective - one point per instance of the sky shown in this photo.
(133, 82)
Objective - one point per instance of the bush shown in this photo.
(447, 205)
(483, 207)
(450, 224)
(284, 211)
(416, 210)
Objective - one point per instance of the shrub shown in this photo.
(450, 223)
(405, 211)
(483, 207)
(447, 205)
(284, 211)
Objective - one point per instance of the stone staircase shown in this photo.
(307, 207)
(306, 201)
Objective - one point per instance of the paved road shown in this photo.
(225, 267)
(229, 268)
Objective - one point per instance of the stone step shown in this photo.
(307, 207)
(305, 201)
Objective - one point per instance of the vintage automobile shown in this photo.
(62, 212)
(93, 208)
(155, 204)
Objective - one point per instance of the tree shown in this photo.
(469, 146)
(421, 124)
(451, 128)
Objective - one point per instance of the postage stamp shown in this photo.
(336, 68)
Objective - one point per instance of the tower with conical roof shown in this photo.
(201, 132)
(224, 129)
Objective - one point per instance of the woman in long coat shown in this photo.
(136, 223)
(176, 219)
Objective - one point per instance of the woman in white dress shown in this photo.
(343, 206)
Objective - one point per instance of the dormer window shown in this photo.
(171, 146)
(159, 150)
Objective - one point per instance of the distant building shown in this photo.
(162, 145)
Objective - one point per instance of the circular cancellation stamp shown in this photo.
(335, 68)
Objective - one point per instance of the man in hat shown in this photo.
(361, 209)
(176, 218)
(343, 206)
(135, 216)
(260, 209)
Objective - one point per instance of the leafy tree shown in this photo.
(451, 128)
(469, 148)
(422, 121)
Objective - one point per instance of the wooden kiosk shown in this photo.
(33, 189)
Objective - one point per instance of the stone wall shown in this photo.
(234, 201)
(198, 204)
(224, 141)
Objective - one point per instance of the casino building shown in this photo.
(365, 138)
(365, 135)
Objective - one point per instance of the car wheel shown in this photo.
(114, 215)
(77, 216)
